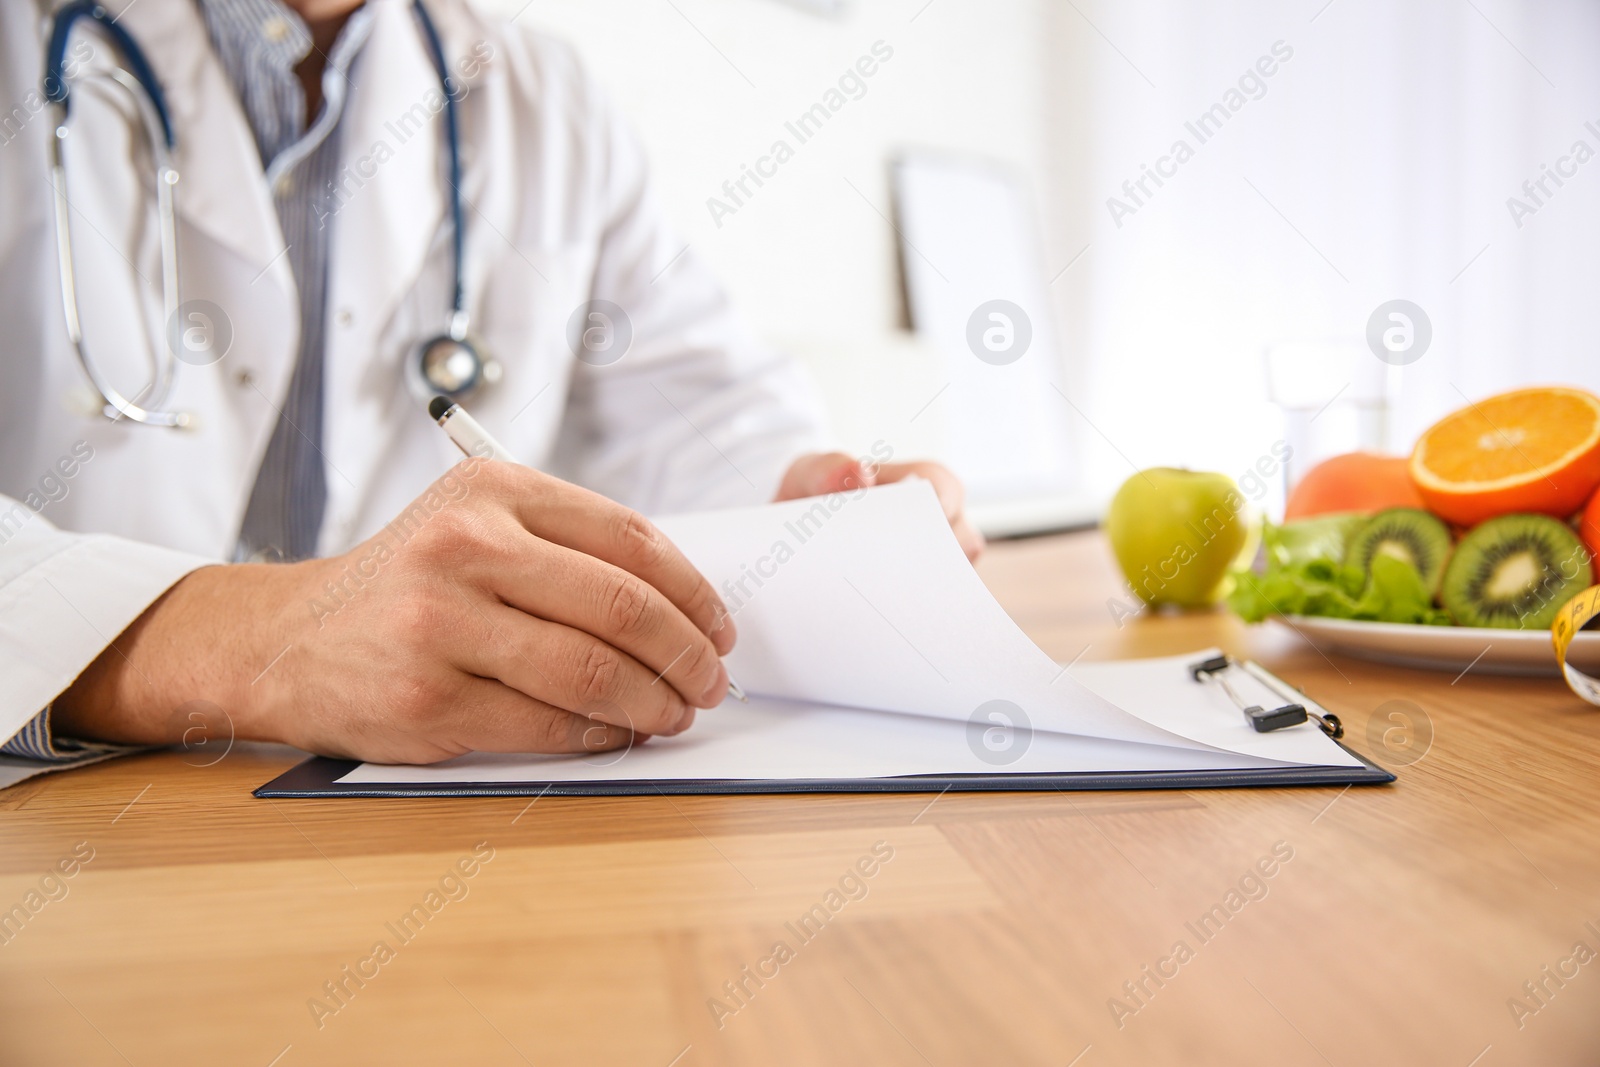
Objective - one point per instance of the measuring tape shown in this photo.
(1578, 611)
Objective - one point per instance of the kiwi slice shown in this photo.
(1515, 573)
(1407, 534)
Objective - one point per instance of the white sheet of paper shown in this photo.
(773, 739)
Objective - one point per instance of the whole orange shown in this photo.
(1529, 450)
(1354, 481)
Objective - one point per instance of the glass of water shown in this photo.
(1334, 396)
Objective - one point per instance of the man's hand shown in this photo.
(504, 611)
(836, 472)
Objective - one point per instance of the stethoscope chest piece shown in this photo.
(451, 364)
(454, 367)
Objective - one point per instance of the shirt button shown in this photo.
(285, 185)
(345, 318)
(275, 29)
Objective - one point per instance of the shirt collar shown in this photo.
(243, 31)
(263, 41)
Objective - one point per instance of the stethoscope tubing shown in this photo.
(145, 409)
(452, 135)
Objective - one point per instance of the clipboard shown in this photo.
(319, 777)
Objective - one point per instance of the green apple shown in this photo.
(1175, 533)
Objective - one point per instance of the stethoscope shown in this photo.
(450, 363)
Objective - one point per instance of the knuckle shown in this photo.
(419, 697)
(557, 731)
(459, 536)
(439, 536)
(499, 478)
(627, 607)
(454, 529)
(418, 620)
(639, 544)
(599, 677)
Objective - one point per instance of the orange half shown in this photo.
(1532, 450)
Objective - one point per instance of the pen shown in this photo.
(470, 436)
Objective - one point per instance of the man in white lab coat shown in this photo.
(516, 611)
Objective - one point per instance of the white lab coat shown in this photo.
(696, 414)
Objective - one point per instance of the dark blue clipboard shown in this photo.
(319, 777)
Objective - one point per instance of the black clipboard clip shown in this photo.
(1263, 719)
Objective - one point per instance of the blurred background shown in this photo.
(1356, 153)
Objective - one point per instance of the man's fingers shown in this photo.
(562, 585)
(824, 472)
(952, 496)
(497, 718)
(589, 523)
(574, 671)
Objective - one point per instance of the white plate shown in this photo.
(1445, 648)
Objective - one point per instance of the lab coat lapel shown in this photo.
(390, 199)
(389, 211)
(232, 257)
(221, 191)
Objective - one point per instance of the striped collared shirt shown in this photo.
(260, 43)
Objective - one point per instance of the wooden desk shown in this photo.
(998, 933)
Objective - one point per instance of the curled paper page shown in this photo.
(864, 599)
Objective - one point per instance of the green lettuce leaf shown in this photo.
(1324, 537)
(1320, 586)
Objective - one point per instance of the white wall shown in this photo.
(1376, 165)
(810, 259)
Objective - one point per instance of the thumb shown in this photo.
(823, 472)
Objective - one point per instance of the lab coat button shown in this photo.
(345, 318)
(244, 378)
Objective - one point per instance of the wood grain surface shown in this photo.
(1397, 925)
